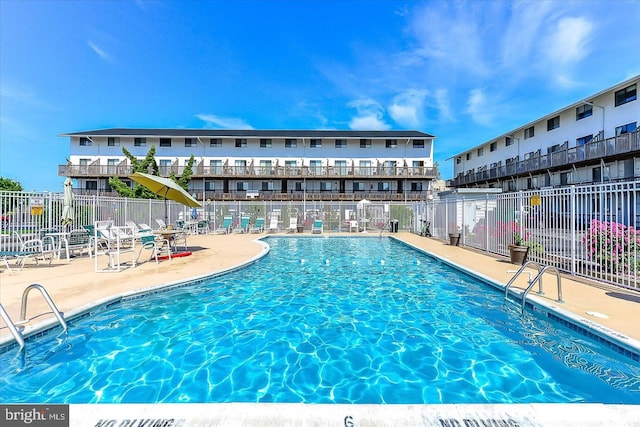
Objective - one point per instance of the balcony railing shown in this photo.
(257, 172)
(622, 144)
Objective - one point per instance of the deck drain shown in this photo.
(598, 315)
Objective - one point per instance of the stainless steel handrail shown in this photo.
(47, 298)
(12, 327)
(539, 277)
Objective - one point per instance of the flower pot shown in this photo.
(454, 239)
(518, 254)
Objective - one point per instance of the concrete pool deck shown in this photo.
(74, 284)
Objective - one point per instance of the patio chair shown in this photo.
(317, 227)
(156, 245)
(80, 239)
(203, 226)
(161, 224)
(273, 224)
(293, 225)
(30, 249)
(225, 227)
(258, 227)
(243, 226)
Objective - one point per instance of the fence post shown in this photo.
(572, 202)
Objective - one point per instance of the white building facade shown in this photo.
(594, 140)
(263, 164)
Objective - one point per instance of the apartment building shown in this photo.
(593, 140)
(263, 164)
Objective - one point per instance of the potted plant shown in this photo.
(454, 236)
(521, 246)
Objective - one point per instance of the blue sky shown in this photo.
(465, 71)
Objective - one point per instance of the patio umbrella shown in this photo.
(67, 204)
(166, 188)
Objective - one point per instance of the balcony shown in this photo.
(259, 172)
(610, 148)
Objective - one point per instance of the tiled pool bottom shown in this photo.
(318, 415)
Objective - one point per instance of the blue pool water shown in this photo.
(321, 320)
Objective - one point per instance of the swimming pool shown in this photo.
(337, 320)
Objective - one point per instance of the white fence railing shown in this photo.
(589, 230)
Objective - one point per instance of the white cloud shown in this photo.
(442, 105)
(478, 107)
(406, 108)
(567, 45)
(100, 52)
(370, 115)
(223, 122)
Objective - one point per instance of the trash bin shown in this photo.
(393, 226)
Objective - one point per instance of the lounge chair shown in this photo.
(273, 224)
(161, 224)
(293, 225)
(317, 227)
(30, 249)
(243, 226)
(258, 227)
(225, 227)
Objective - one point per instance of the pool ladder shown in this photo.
(23, 313)
(532, 282)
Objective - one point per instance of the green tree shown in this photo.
(149, 166)
(8, 203)
(7, 184)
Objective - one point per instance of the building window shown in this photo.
(84, 141)
(165, 142)
(165, 167)
(550, 150)
(315, 167)
(553, 123)
(391, 143)
(340, 167)
(529, 132)
(458, 160)
(583, 140)
(315, 143)
(290, 143)
(625, 95)
(564, 178)
(91, 185)
(241, 142)
(418, 143)
(365, 143)
(139, 142)
(215, 167)
(365, 167)
(189, 142)
(480, 151)
(628, 128)
(383, 186)
(493, 146)
(210, 185)
(242, 186)
(265, 142)
(113, 141)
(215, 142)
(416, 186)
(468, 156)
(267, 185)
(583, 111)
(341, 143)
(508, 141)
(358, 186)
(325, 186)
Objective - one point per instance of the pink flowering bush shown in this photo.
(612, 245)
